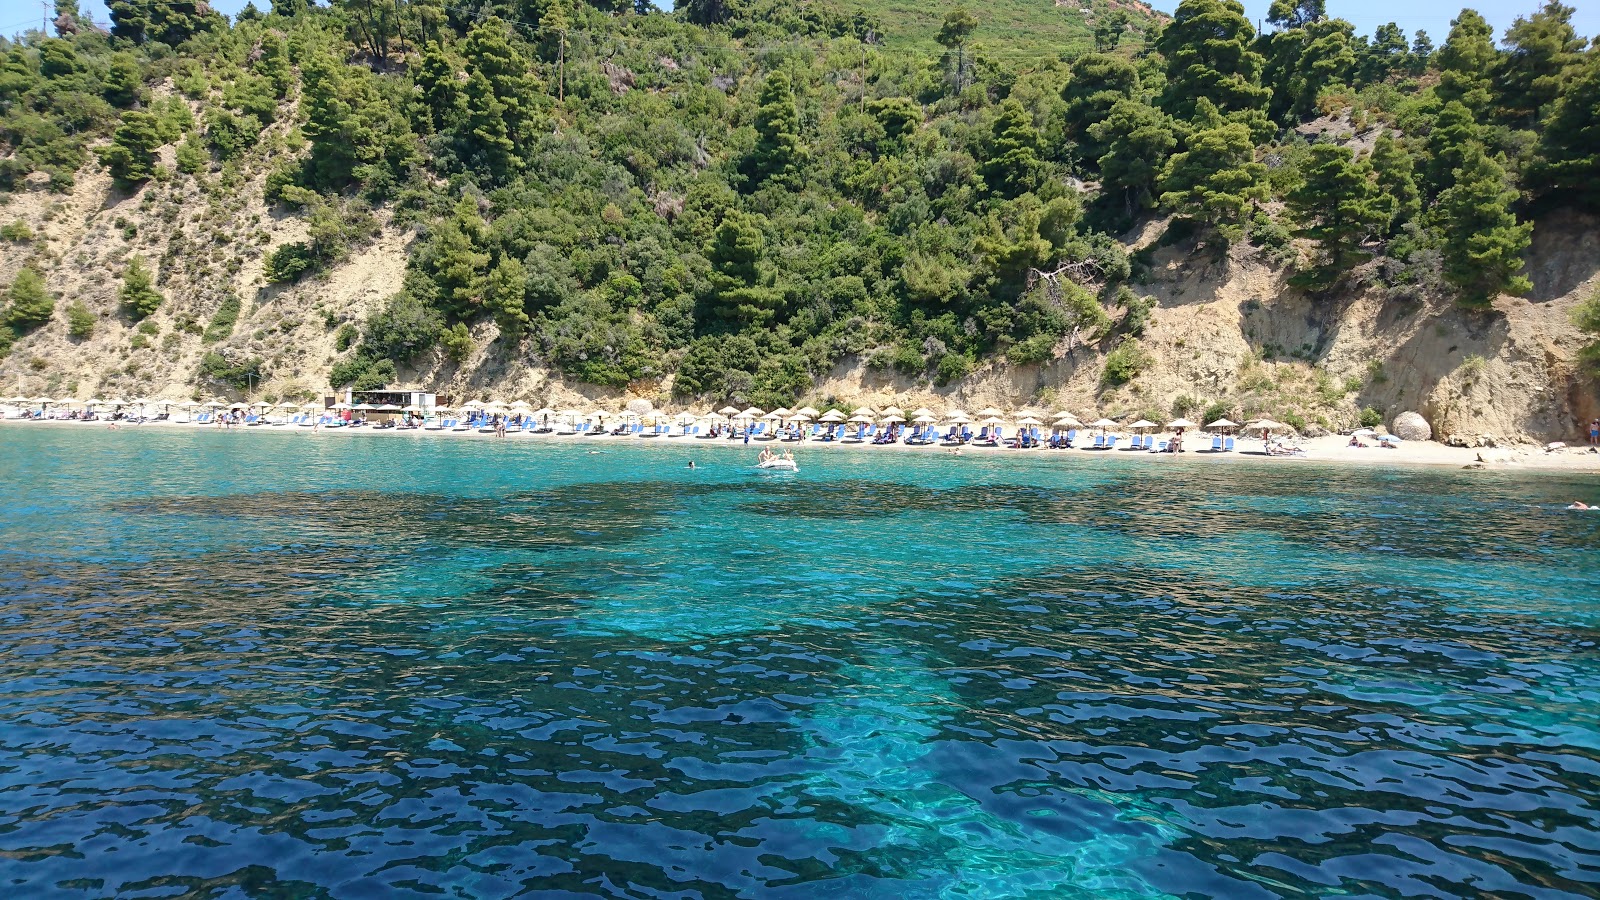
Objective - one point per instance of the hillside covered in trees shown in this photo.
(730, 200)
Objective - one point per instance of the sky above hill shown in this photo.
(19, 15)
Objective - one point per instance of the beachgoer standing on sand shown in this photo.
(1594, 432)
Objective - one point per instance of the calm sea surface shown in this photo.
(270, 664)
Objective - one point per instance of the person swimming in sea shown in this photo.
(1579, 504)
(691, 463)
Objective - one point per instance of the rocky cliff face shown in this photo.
(1228, 331)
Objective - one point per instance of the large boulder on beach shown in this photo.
(1411, 426)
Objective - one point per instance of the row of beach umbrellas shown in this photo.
(864, 415)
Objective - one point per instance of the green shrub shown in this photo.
(222, 322)
(1214, 412)
(346, 336)
(1036, 349)
(239, 374)
(17, 232)
(457, 342)
(1295, 421)
(138, 294)
(403, 328)
(953, 367)
(1124, 363)
(1370, 418)
(1139, 309)
(80, 321)
(149, 328)
(906, 358)
(31, 305)
(379, 375)
(1587, 317)
(289, 262)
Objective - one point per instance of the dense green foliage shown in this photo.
(31, 304)
(1587, 318)
(80, 321)
(138, 293)
(222, 321)
(743, 194)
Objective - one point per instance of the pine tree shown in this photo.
(1421, 55)
(1011, 160)
(959, 24)
(1110, 28)
(741, 292)
(170, 22)
(1568, 161)
(1466, 61)
(273, 63)
(1385, 55)
(138, 293)
(458, 263)
(1483, 242)
(1304, 60)
(123, 86)
(489, 52)
(1337, 205)
(131, 156)
(1209, 54)
(191, 154)
(485, 138)
(1099, 81)
(330, 120)
(1215, 178)
(1543, 53)
(1288, 14)
(436, 81)
(1397, 184)
(553, 28)
(1453, 131)
(506, 296)
(31, 305)
(777, 152)
(1138, 141)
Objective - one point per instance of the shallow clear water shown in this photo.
(287, 665)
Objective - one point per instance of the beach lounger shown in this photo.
(1159, 448)
(1216, 445)
(1227, 445)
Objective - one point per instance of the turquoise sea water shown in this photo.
(278, 664)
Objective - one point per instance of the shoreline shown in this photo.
(1332, 450)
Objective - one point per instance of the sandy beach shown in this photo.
(1333, 449)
